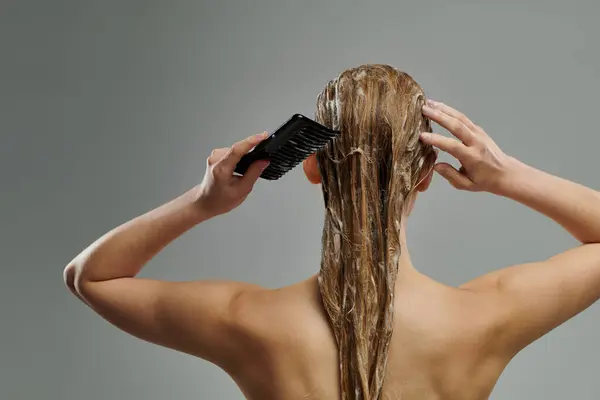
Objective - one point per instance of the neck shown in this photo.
(405, 266)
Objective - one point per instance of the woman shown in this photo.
(368, 325)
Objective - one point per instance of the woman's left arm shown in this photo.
(193, 317)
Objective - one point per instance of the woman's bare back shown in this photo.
(442, 345)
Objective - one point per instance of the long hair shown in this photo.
(368, 174)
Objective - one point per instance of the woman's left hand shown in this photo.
(221, 191)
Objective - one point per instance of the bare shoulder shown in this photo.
(465, 340)
(454, 319)
(529, 300)
(283, 315)
(284, 341)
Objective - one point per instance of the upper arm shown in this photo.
(534, 298)
(193, 317)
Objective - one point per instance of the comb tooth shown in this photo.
(278, 163)
(311, 133)
(286, 166)
(323, 134)
(274, 176)
(319, 133)
(270, 177)
(270, 172)
(321, 140)
(282, 157)
(295, 151)
(321, 130)
(293, 158)
(287, 152)
(314, 140)
(328, 132)
(311, 145)
(299, 151)
(310, 141)
(283, 162)
(279, 172)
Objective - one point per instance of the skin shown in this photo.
(448, 342)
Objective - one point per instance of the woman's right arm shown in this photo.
(533, 298)
(575, 207)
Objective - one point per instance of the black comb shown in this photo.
(287, 146)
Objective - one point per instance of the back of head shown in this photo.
(368, 174)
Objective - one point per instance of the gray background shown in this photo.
(109, 108)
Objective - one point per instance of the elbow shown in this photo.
(70, 278)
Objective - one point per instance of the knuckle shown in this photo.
(455, 184)
(433, 114)
(482, 152)
(470, 154)
(460, 128)
(431, 138)
(453, 145)
(212, 173)
(481, 131)
(463, 118)
(234, 150)
(453, 125)
(216, 155)
(218, 170)
(210, 160)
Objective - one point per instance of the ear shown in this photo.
(424, 185)
(428, 174)
(311, 169)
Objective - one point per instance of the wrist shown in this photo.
(199, 211)
(510, 177)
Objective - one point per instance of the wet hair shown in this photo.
(368, 175)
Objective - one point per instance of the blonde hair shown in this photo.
(368, 174)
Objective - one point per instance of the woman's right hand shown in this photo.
(484, 166)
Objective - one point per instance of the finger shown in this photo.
(253, 173)
(217, 155)
(455, 126)
(452, 112)
(453, 176)
(449, 145)
(239, 149)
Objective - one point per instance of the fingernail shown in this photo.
(425, 135)
(432, 103)
(264, 164)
